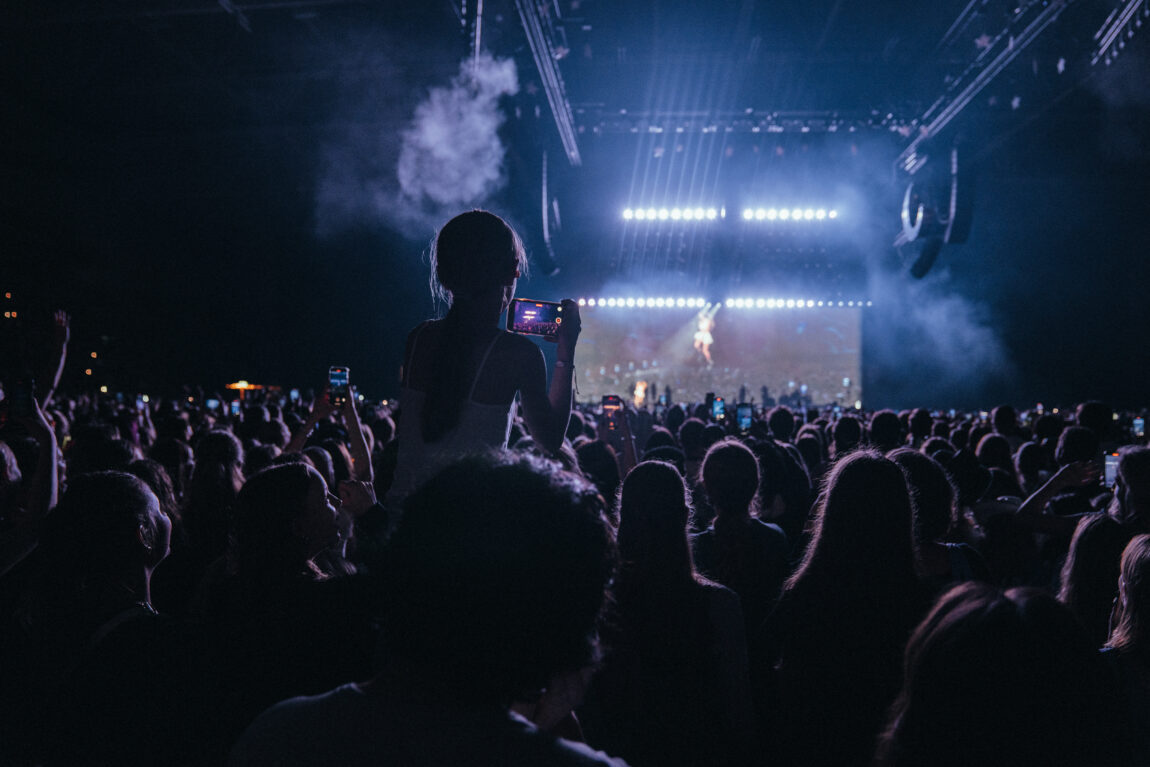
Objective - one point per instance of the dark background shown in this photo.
(213, 202)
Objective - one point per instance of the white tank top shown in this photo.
(480, 428)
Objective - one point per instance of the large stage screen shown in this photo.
(809, 352)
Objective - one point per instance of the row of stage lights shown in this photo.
(730, 303)
(713, 214)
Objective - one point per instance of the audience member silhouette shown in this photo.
(1128, 648)
(1089, 580)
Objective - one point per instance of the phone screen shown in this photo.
(743, 411)
(212, 404)
(536, 318)
(718, 409)
(612, 408)
(1139, 427)
(1111, 475)
(293, 395)
(235, 407)
(337, 376)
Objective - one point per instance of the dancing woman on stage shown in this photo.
(703, 337)
(461, 374)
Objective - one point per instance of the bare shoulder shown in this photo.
(520, 347)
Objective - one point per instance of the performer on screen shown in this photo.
(703, 337)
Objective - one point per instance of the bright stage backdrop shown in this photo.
(784, 348)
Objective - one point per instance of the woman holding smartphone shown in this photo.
(461, 374)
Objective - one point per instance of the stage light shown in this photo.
(676, 214)
(582, 301)
(738, 303)
(840, 303)
(659, 302)
(630, 302)
(761, 303)
(870, 303)
(681, 303)
(699, 213)
(730, 302)
(701, 302)
(640, 214)
(712, 214)
(591, 302)
(820, 303)
(670, 302)
(651, 213)
(688, 214)
(103, 389)
(641, 302)
(808, 214)
(820, 214)
(833, 214)
(760, 214)
(748, 214)
(770, 303)
(772, 214)
(628, 214)
(796, 214)
(610, 302)
(784, 214)
(850, 303)
(790, 303)
(664, 214)
(88, 371)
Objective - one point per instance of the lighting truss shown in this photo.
(545, 58)
(648, 302)
(1119, 28)
(790, 214)
(710, 213)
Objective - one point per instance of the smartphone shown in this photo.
(212, 404)
(534, 318)
(660, 410)
(1111, 474)
(718, 409)
(235, 407)
(293, 395)
(337, 377)
(1139, 427)
(744, 412)
(612, 412)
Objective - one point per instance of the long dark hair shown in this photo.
(474, 252)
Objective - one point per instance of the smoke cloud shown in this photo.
(412, 166)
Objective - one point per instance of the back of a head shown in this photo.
(691, 437)
(993, 452)
(654, 507)
(1076, 443)
(1004, 418)
(1096, 416)
(1132, 619)
(998, 679)
(730, 475)
(931, 492)
(847, 434)
(1089, 579)
(496, 576)
(475, 252)
(266, 512)
(781, 422)
(921, 423)
(862, 525)
(1131, 502)
(886, 430)
(1030, 459)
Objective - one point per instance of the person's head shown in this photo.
(886, 430)
(932, 494)
(158, 481)
(598, 464)
(998, 679)
(1076, 443)
(1131, 503)
(1029, 460)
(861, 530)
(1005, 419)
(730, 476)
(654, 509)
(1132, 612)
(848, 434)
(659, 437)
(285, 516)
(496, 576)
(259, 457)
(1096, 416)
(1089, 580)
(108, 524)
(781, 422)
(993, 452)
(921, 424)
(691, 438)
(476, 256)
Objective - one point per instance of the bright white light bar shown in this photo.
(674, 214)
(785, 214)
(648, 302)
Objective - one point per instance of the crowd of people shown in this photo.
(483, 572)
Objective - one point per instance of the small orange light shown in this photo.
(93, 355)
(7, 315)
(13, 315)
(7, 295)
(88, 372)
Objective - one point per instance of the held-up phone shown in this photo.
(718, 409)
(612, 414)
(744, 412)
(337, 378)
(235, 407)
(1111, 474)
(293, 395)
(212, 404)
(1139, 427)
(534, 318)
